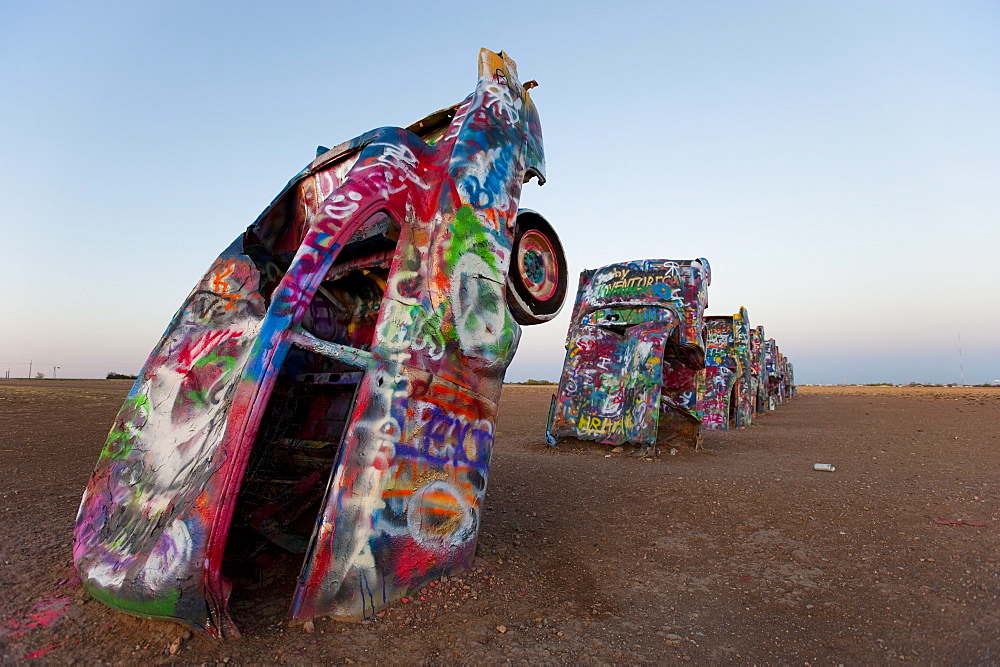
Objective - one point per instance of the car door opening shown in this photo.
(297, 448)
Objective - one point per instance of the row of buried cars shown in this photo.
(323, 404)
(644, 365)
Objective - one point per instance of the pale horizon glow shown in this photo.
(837, 163)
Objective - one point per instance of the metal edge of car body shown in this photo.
(153, 521)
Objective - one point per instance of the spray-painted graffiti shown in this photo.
(775, 374)
(786, 381)
(634, 352)
(746, 408)
(727, 397)
(772, 375)
(758, 365)
(357, 333)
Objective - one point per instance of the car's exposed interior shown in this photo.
(310, 406)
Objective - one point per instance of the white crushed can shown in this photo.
(828, 467)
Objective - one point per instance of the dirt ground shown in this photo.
(740, 553)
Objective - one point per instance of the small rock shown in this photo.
(617, 450)
(309, 627)
(175, 645)
(501, 629)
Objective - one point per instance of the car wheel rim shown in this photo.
(538, 266)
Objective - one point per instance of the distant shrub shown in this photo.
(120, 376)
(537, 382)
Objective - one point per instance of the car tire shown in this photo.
(537, 280)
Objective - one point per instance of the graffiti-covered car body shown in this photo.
(726, 397)
(634, 350)
(785, 385)
(758, 364)
(775, 373)
(331, 384)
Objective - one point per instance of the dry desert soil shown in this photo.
(740, 553)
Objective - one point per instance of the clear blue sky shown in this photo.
(837, 162)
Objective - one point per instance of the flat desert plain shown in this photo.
(740, 553)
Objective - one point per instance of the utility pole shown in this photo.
(54, 369)
(29, 367)
(961, 362)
